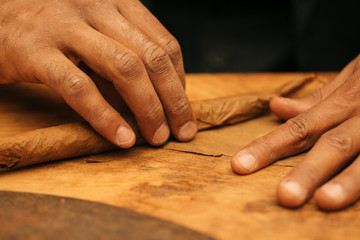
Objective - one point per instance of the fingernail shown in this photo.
(335, 191)
(294, 192)
(161, 135)
(124, 137)
(246, 162)
(187, 131)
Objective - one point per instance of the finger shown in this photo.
(128, 74)
(334, 150)
(342, 191)
(151, 26)
(109, 93)
(286, 108)
(160, 68)
(81, 94)
(296, 135)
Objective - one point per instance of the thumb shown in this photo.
(286, 108)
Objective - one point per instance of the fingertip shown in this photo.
(125, 137)
(187, 131)
(161, 135)
(291, 194)
(330, 197)
(243, 163)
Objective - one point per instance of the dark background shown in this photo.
(262, 35)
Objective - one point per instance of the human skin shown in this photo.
(72, 46)
(328, 123)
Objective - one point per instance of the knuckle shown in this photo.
(127, 65)
(180, 108)
(103, 117)
(266, 145)
(299, 128)
(317, 96)
(76, 86)
(339, 141)
(310, 172)
(154, 113)
(172, 47)
(84, 4)
(156, 59)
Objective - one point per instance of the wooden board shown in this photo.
(196, 191)
(44, 217)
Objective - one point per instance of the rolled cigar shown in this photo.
(79, 139)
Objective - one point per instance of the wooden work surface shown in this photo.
(193, 190)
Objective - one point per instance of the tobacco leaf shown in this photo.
(228, 140)
(79, 139)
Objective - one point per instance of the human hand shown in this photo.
(328, 122)
(120, 40)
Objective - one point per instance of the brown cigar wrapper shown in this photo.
(79, 139)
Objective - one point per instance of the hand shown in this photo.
(328, 122)
(120, 40)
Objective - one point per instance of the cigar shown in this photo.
(79, 139)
